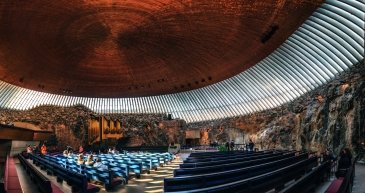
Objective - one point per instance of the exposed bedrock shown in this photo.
(331, 116)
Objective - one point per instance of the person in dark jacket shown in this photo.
(227, 146)
(344, 162)
(231, 145)
(251, 145)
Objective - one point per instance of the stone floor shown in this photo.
(359, 181)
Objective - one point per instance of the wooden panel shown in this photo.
(192, 134)
(16, 134)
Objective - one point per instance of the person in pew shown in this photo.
(251, 145)
(81, 149)
(99, 165)
(90, 160)
(231, 145)
(29, 149)
(43, 150)
(69, 148)
(65, 153)
(35, 149)
(80, 159)
(328, 156)
(344, 162)
(227, 146)
(115, 151)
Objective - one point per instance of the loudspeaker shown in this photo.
(169, 117)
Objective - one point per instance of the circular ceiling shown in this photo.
(136, 48)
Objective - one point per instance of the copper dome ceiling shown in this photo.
(132, 48)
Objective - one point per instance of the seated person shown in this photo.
(99, 165)
(69, 153)
(80, 159)
(114, 151)
(44, 149)
(29, 149)
(65, 153)
(81, 149)
(110, 151)
(90, 160)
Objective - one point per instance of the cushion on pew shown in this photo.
(335, 186)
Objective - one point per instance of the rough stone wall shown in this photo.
(71, 123)
(68, 123)
(331, 116)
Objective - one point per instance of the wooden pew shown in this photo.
(228, 155)
(217, 178)
(192, 161)
(227, 165)
(309, 182)
(43, 184)
(223, 161)
(261, 183)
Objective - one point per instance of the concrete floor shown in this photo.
(359, 181)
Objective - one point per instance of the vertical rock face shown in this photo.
(70, 124)
(331, 116)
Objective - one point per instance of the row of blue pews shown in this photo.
(120, 166)
(77, 181)
(123, 164)
(255, 172)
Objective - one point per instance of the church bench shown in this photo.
(224, 160)
(260, 183)
(133, 166)
(227, 166)
(212, 179)
(207, 154)
(192, 161)
(43, 184)
(77, 181)
(308, 183)
(223, 156)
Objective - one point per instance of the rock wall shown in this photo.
(70, 125)
(331, 116)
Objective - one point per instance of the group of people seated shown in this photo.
(35, 149)
(90, 161)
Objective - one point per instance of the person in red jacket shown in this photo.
(44, 149)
